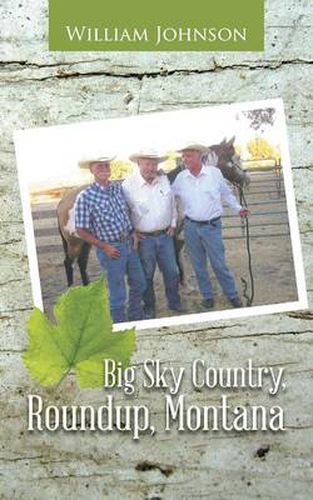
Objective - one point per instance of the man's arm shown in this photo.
(177, 190)
(171, 229)
(125, 189)
(229, 197)
(110, 250)
(176, 185)
(82, 225)
(174, 211)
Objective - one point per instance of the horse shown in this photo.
(222, 155)
(75, 249)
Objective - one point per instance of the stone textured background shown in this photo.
(40, 88)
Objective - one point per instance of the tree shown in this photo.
(121, 169)
(261, 149)
(260, 118)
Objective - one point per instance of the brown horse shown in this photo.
(226, 160)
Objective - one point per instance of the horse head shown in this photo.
(224, 157)
(229, 162)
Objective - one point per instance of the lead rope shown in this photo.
(249, 298)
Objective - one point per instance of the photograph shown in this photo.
(189, 215)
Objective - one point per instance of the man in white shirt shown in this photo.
(153, 214)
(202, 189)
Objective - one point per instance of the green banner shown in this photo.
(165, 25)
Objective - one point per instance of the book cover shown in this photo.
(197, 382)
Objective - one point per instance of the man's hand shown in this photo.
(137, 237)
(110, 250)
(244, 212)
(171, 231)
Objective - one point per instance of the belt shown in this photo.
(155, 233)
(203, 222)
(123, 237)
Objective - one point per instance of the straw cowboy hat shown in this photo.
(86, 162)
(147, 154)
(193, 146)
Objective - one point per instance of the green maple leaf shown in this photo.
(79, 340)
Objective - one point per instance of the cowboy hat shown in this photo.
(147, 154)
(86, 162)
(193, 146)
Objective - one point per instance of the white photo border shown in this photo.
(300, 304)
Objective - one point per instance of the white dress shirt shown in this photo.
(202, 195)
(152, 206)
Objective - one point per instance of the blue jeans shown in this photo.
(202, 241)
(160, 250)
(117, 270)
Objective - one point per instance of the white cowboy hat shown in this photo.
(147, 154)
(193, 146)
(86, 162)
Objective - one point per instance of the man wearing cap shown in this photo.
(102, 219)
(153, 213)
(202, 189)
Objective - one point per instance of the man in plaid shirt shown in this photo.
(102, 219)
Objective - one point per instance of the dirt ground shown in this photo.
(272, 262)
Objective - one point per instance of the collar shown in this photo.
(202, 172)
(102, 188)
(143, 182)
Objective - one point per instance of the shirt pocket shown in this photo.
(141, 205)
(103, 210)
(211, 193)
(165, 192)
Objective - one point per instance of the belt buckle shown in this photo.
(124, 237)
(161, 231)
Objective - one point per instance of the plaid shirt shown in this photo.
(103, 212)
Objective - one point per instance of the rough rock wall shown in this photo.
(39, 88)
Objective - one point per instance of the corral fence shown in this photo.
(265, 197)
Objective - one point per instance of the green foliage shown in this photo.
(260, 118)
(171, 162)
(261, 149)
(121, 169)
(79, 340)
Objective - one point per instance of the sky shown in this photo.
(48, 157)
